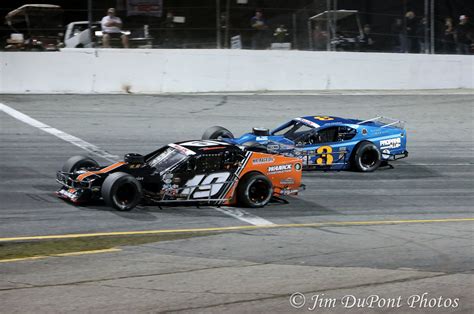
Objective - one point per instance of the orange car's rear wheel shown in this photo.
(254, 190)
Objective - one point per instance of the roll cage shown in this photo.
(293, 129)
(384, 122)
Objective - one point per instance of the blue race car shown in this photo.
(327, 142)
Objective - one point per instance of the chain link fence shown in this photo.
(413, 26)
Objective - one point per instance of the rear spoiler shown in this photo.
(385, 122)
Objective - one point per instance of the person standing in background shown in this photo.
(462, 35)
(260, 27)
(448, 36)
(411, 23)
(421, 31)
(398, 36)
(168, 27)
(366, 43)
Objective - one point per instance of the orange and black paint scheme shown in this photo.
(211, 172)
(284, 174)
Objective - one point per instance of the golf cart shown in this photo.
(343, 26)
(36, 27)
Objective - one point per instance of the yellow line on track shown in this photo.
(234, 228)
(59, 255)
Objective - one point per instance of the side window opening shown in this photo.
(328, 135)
(209, 163)
(346, 133)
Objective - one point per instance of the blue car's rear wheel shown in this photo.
(217, 132)
(367, 157)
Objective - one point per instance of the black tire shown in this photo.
(254, 190)
(217, 132)
(121, 191)
(79, 162)
(367, 157)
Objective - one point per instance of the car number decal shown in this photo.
(325, 155)
(206, 186)
(323, 118)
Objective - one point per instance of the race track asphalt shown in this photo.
(248, 270)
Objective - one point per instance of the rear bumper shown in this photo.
(392, 157)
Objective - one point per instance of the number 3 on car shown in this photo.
(325, 156)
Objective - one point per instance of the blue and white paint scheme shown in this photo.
(328, 142)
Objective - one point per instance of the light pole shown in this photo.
(227, 23)
(328, 26)
(218, 24)
(89, 18)
(432, 28)
(426, 48)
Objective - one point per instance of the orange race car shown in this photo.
(204, 171)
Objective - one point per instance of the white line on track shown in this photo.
(340, 93)
(427, 164)
(244, 216)
(58, 133)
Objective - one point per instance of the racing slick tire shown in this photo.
(254, 190)
(367, 157)
(217, 132)
(79, 162)
(121, 191)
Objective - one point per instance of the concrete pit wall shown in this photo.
(183, 71)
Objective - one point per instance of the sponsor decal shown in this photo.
(298, 166)
(265, 160)
(262, 138)
(273, 147)
(70, 193)
(364, 131)
(288, 181)
(391, 143)
(385, 154)
(280, 168)
(288, 192)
